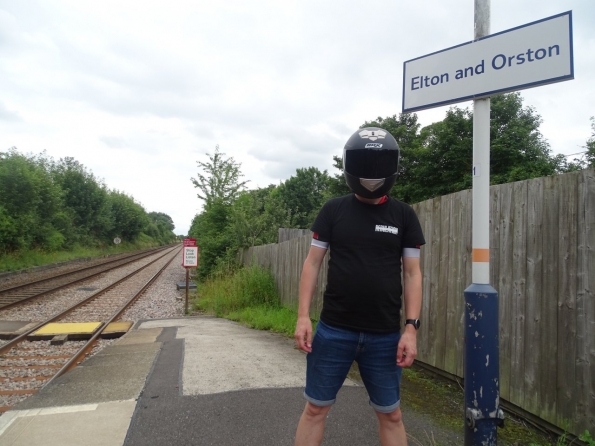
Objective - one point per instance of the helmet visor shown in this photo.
(366, 163)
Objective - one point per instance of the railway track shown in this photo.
(18, 294)
(44, 352)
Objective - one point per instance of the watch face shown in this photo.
(414, 322)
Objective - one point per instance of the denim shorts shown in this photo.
(334, 350)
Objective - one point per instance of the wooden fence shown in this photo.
(542, 263)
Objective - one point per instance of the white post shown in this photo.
(481, 165)
(481, 192)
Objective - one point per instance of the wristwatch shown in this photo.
(414, 322)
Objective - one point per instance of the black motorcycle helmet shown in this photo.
(371, 162)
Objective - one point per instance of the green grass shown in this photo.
(27, 259)
(249, 296)
(279, 320)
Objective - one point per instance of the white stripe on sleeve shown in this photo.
(411, 252)
(319, 244)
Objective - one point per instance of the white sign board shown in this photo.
(527, 56)
(190, 257)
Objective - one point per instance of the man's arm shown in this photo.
(308, 280)
(407, 349)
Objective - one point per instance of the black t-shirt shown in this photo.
(364, 288)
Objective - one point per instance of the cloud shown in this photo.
(278, 85)
(112, 142)
(8, 115)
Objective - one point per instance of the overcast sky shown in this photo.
(138, 91)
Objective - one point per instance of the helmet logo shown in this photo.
(373, 145)
(372, 135)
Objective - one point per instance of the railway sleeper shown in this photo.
(59, 339)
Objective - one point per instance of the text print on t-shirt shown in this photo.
(389, 229)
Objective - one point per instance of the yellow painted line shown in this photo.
(481, 255)
(116, 327)
(58, 328)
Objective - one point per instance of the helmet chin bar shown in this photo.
(372, 184)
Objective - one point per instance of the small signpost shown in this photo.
(189, 260)
(534, 54)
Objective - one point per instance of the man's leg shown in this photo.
(311, 426)
(391, 428)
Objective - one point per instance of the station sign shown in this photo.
(527, 56)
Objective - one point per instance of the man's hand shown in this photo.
(407, 349)
(303, 334)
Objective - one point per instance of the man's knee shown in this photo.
(316, 412)
(394, 417)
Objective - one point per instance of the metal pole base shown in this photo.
(482, 372)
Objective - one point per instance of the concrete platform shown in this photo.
(193, 381)
(92, 425)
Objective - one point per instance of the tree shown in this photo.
(220, 180)
(442, 160)
(31, 207)
(257, 215)
(129, 217)
(160, 227)
(219, 185)
(211, 229)
(518, 149)
(590, 145)
(304, 194)
(85, 199)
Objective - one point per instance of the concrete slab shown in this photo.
(6, 326)
(220, 356)
(134, 337)
(92, 425)
(12, 329)
(117, 373)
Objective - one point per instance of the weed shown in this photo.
(587, 438)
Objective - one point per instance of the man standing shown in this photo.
(370, 236)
